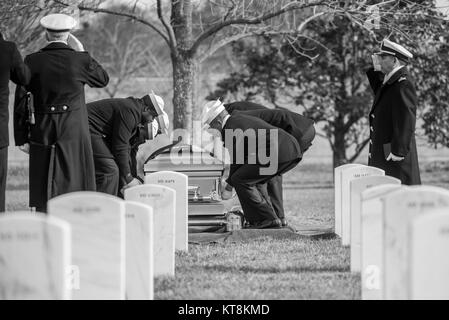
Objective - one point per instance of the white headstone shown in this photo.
(347, 175)
(337, 194)
(429, 258)
(372, 240)
(162, 200)
(139, 251)
(178, 182)
(98, 243)
(400, 208)
(34, 257)
(359, 185)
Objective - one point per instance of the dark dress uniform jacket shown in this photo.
(392, 122)
(293, 123)
(288, 147)
(61, 158)
(243, 106)
(11, 68)
(113, 125)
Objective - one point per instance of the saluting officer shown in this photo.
(299, 126)
(11, 68)
(118, 126)
(246, 171)
(61, 158)
(392, 117)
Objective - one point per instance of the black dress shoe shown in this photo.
(266, 224)
(284, 222)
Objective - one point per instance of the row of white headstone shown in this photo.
(96, 246)
(398, 235)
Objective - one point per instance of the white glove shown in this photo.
(392, 157)
(376, 63)
(74, 43)
(25, 148)
(226, 194)
(134, 182)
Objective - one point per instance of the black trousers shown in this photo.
(307, 139)
(106, 175)
(252, 189)
(274, 189)
(3, 174)
(274, 185)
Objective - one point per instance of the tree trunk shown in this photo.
(183, 64)
(183, 86)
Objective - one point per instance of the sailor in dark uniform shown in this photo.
(299, 126)
(392, 117)
(11, 68)
(61, 158)
(249, 139)
(243, 106)
(118, 127)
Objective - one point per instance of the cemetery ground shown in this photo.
(265, 267)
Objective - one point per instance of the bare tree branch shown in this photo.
(121, 14)
(214, 29)
(303, 25)
(168, 28)
(358, 150)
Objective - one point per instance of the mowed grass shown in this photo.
(265, 268)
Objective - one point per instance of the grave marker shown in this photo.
(139, 251)
(34, 257)
(337, 194)
(162, 200)
(98, 243)
(347, 175)
(400, 208)
(357, 186)
(429, 258)
(178, 182)
(372, 240)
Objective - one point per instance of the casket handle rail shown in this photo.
(162, 150)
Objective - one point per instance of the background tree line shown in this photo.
(309, 54)
(321, 73)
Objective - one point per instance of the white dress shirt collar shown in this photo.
(61, 41)
(391, 73)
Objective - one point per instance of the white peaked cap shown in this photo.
(160, 101)
(164, 122)
(395, 49)
(58, 22)
(211, 110)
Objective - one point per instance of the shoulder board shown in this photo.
(402, 79)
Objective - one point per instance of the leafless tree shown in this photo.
(194, 30)
(123, 49)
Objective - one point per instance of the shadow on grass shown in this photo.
(261, 270)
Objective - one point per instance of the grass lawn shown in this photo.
(265, 268)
